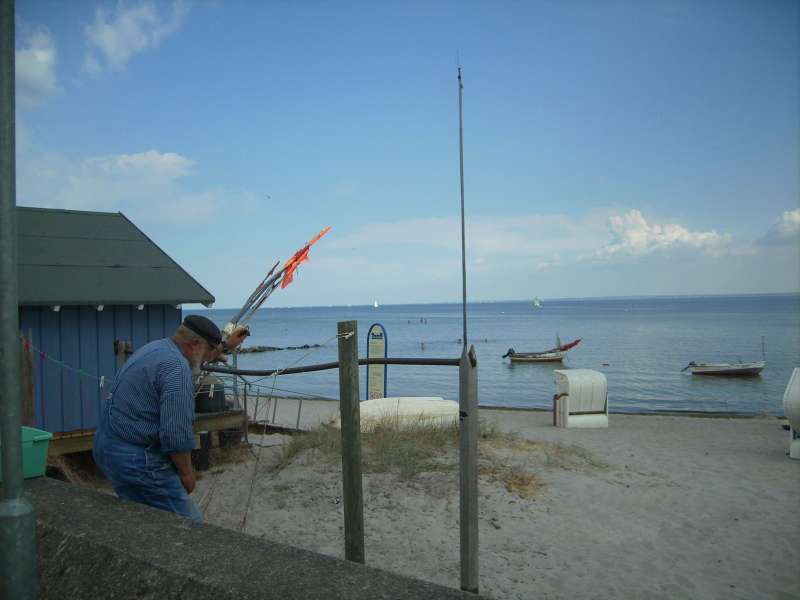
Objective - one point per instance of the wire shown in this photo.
(274, 376)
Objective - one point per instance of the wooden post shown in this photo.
(352, 491)
(300, 408)
(28, 391)
(201, 456)
(468, 468)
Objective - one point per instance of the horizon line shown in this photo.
(553, 299)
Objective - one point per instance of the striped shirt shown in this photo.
(152, 399)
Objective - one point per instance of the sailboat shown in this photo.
(375, 304)
(537, 303)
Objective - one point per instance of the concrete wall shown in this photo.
(92, 545)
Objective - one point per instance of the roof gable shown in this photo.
(81, 257)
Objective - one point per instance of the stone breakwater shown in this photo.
(253, 349)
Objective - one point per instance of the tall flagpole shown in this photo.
(468, 412)
(463, 236)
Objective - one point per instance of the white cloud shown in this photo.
(131, 28)
(35, 66)
(147, 186)
(786, 230)
(149, 165)
(634, 236)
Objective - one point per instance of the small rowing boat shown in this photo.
(726, 369)
(555, 354)
(740, 369)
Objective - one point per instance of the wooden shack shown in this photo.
(88, 283)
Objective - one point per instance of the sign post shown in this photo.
(376, 374)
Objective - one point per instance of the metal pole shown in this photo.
(468, 468)
(352, 491)
(236, 379)
(18, 573)
(246, 420)
(463, 235)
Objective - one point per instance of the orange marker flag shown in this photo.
(299, 257)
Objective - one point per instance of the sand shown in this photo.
(653, 507)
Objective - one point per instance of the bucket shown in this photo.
(211, 395)
(35, 443)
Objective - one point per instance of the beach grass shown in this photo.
(424, 446)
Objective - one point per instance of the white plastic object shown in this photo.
(582, 399)
(406, 411)
(791, 408)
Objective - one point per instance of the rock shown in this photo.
(252, 349)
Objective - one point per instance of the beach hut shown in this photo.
(91, 285)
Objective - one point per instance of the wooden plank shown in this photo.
(229, 419)
(80, 442)
(155, 321)
(468, 468)
(90, 388)
(70, 380)
(106, 361)
(70, 444)
(51, 417)
(139, 335)
(352, 488)
(27, 390)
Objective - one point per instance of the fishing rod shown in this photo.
(269, 284)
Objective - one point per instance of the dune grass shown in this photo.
(385, 447)
(428, 447)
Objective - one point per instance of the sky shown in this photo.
(611, 148)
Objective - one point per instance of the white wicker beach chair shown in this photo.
(582, 398)
(791, 408)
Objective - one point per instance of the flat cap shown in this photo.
(203, 327)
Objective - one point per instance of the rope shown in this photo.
(45, 356)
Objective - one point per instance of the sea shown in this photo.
(639, 343)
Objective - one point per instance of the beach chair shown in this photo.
(582, 398)
(791, 408)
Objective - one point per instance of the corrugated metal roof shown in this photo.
(80, 257)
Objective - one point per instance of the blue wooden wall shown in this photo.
(83, 338)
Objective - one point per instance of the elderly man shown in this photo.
(144, 439)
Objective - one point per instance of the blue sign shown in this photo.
(376, 374)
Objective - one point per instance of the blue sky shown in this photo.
(611, 148)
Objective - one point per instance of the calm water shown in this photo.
(641, 344)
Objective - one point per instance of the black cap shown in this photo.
(203, 327)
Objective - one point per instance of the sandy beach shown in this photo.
(653, 507)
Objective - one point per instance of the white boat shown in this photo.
(405, 412)
(728, 369)
(375, 304)
(740, 369)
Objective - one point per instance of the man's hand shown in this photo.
(237, 337)
(189, 481)
(183, 464)
(234, 340)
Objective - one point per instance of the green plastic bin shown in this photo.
(34, 452)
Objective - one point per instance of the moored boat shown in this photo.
(726, 369)
(555, 354)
